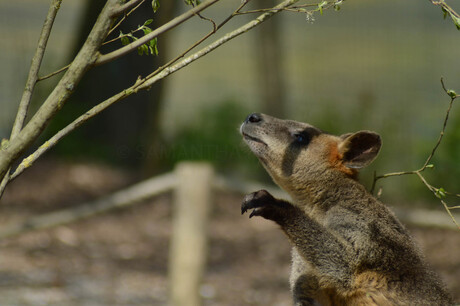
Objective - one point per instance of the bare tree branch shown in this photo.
(211, 47)
(436, 191)
(33, 76)
(145, 83)
(124, 7)
(27, 162)
(35, 67)
(82, 62)
(125, 16)
(137, 3)
(53, 73)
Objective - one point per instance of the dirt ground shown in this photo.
(121, 258)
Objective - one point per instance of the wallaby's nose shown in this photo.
(253, 118)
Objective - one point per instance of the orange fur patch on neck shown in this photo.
(335, 160)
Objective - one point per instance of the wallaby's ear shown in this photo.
(359, 149)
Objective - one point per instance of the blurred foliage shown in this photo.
(77, 145)
(213, 137)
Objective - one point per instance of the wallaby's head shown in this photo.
(296, 154)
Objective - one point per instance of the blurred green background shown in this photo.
(372, 65)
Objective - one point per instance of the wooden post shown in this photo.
(188, 250)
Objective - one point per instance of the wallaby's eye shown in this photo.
(301, 138)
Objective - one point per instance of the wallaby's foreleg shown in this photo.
(313, 242)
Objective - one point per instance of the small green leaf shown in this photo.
(146, 30)
(452, 93)
(446, 13)
(143, 49)
(338, 5)
(455, 19)
(192, 2)
(155, 5)
(429, 166)
(154, 45)
(147, 22)
(440, 193)
(124, 40)
(321, 5)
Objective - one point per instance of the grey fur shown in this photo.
(348, 248)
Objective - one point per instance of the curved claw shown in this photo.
(255, 212)
(249, 202)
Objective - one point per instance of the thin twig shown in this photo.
(105, 58)
(445, 6)
(428, 160)
(432, 189)
(124, 7)
(32, 78)
(214, 26)
(83, 61)
(441, 135)
(35, 67)
(27, 162)
(257, 11)
(111, 30)
(296, 8)
(211, 47)
(124, 17)
(124, 35)
(53, 73)
(197, 43)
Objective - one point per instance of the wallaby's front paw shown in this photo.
(264, 205)
(256, 200)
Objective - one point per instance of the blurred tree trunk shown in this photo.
(126, 132)
(269, 64)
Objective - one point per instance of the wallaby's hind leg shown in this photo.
(305, 287)
(304, 283)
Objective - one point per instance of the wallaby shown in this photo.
(348, 248)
